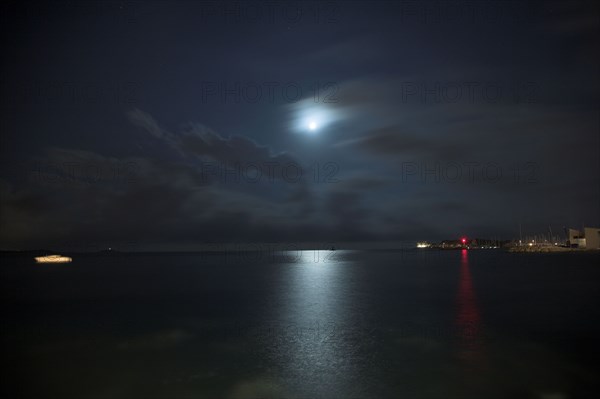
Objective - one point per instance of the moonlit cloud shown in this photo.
(307, 115)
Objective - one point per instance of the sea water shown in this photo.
(302, 324)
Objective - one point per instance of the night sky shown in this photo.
(169, 125)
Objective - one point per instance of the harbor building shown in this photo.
(589, 238)
(592, 237)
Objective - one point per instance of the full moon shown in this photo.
(311, 119)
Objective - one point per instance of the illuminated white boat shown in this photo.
(53, 259)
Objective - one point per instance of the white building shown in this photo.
(589, 238)
(592, 237)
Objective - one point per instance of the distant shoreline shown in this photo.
(115, 253)
(549, 249)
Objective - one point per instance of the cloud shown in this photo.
(184, 190)
(146, 122)
(197, 140)
(392, 141)
(80, 197)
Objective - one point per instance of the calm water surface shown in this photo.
(303, 324)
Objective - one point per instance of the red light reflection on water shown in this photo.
(468, 318)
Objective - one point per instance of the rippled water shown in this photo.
(303, 324)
